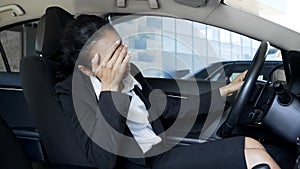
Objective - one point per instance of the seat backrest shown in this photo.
(38, 77)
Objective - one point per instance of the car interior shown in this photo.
(34, 128)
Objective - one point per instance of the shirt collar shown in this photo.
(129, 82)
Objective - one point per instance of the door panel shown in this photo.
(16, 114)
(189, 87)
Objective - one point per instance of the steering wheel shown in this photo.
(245, 91)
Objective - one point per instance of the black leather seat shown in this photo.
(12, 155)
(38, 77)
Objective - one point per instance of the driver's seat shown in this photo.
(38, 77)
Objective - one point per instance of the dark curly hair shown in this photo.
(75, 36)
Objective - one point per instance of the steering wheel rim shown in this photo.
(245, 91)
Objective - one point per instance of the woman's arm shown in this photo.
(187, 106)
(172, 107)
(234, 86)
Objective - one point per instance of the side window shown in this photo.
(11, 40)
(17, 41)
(165, 47)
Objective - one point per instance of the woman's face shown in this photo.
(110, 36)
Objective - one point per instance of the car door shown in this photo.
(15, 42)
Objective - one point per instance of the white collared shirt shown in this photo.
(137, 118)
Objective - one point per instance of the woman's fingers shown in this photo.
(110, 52)
(116, 55)
(234, 86)
(240, 77)
(95, 62)
(125, 61)
(244, 74)
(121, 56)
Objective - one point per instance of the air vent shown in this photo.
(192, 3)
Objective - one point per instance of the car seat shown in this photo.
(38, 77)
(12, 155)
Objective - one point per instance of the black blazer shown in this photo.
(100, 127)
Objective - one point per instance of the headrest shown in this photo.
(50, 29)
(293, 63)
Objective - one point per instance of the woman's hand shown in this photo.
(234, 86)
(112, 68)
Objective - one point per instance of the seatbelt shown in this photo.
(4, 57)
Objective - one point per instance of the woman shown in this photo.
(116, 114)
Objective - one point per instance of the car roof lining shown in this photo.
(214, 13)
(251, 25)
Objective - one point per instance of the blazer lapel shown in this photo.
(144, 94)
(139, 93)
(154, 121)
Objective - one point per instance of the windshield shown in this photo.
(283, 12)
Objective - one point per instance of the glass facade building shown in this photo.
(172, 47)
